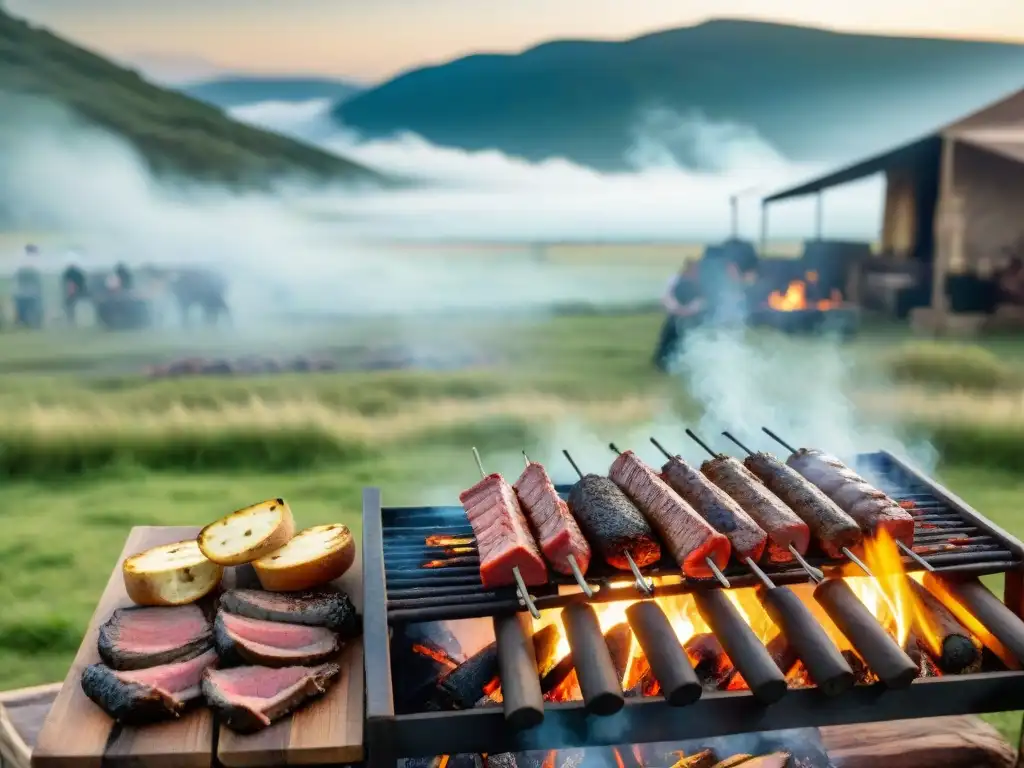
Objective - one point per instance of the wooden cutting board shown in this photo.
(328, 731)
(78, 734)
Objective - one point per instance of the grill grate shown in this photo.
(949, 535)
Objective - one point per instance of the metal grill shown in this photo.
(442, 580)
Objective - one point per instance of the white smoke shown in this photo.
(490, 196)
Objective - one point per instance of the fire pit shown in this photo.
(802, 308)
(454, 669)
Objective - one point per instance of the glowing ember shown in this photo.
(795, 297)
(443, 762)
(618, 758)
(549, 760)
(435, 564)
(448, 541)
(439, 656)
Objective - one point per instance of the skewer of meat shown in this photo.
(788, 535)
(612, 522)
(699, 549)
(834, 530)
(747, 538)
(871, 508)
(557, 532)
(508, 552)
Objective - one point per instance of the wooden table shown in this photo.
(78, 734)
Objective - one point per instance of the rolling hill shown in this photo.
(176, 135)
(812, 94)
(228, 92)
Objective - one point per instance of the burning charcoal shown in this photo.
(782, 653)
(703, 759)
(420, 655)
(642, 682)
(954, 649)
(619, 640)
(862, 675)
(545, 647)
(774, 760)
(467, 683)
(733, 762)
(915, 649)
(714, 668)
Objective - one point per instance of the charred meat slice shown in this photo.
(871, 509)
(321, 608)
(139, 696)
(503, 536)
(136, 638)
(832, 527)
(689, 537)
(613, 523)
(557, 532)
(715, 506)
(272, 643)
(248, 699)
(781, 524)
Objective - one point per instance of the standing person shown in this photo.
(74, 285)
(28, 290)
(710, 291)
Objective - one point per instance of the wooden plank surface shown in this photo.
(326, 731)
(78, 734)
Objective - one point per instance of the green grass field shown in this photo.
(88, 453)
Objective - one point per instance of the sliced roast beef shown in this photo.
(271, 643)
(249, 699)
(319, 608)
(137, 638)
(142, 696)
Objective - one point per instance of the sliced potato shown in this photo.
(174, 574)
(314, 557)
(249, 533)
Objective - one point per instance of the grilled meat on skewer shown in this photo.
(557, 532)
(689, 537)
(832, 528)
(781, 524)
(715, 506)
(870, 508)
(612, 523)
(503, 536)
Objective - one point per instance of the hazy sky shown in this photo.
(371, 39)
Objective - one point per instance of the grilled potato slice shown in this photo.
(249, 533)
(314, 557)
(174, 574)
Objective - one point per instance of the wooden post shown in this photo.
(944, 233)
(764, 229)
(818, 214)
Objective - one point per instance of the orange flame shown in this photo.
(435, 564)
(795, 297)
(448, 541)
(439, 656)
(443, 762)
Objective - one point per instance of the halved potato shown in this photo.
(314, 557)
(248, 534)
(174, 574)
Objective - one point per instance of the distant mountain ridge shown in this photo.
(814, 95)
(174, 134)
(239, 90)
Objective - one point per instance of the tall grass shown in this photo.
(950, 365)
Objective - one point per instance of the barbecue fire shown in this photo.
(795, 297)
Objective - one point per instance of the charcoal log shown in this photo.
(954, 649)
(619, 640)
(467, 683)
(517, 663)
(876, 646)
(420, 656)
(759, 670)
(545, 648)
(601, 688)
(560, 672)
(782, 653)
(712, 666)
(988, 618)
(825, 664)
(666, 659)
